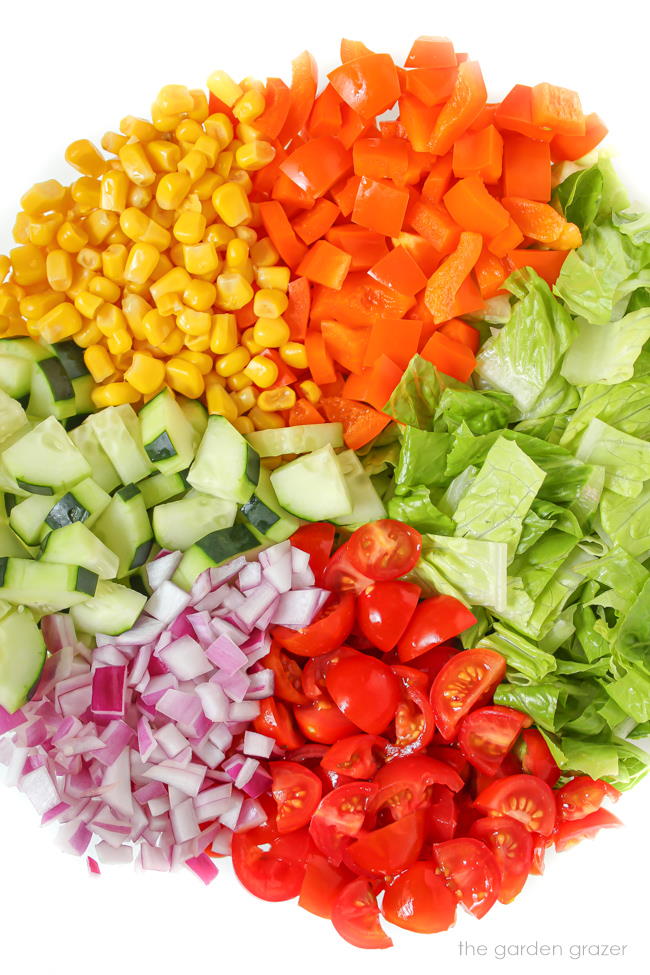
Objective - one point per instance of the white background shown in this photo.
(70, 70)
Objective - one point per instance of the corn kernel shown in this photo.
(189, 228)
(243, 425)
(241, 178)
(98, 363)
(115, 186)
(174, 342)
(201, 258)
(264, 420)
(219, 235)
(274, 400)
(172, 190)
(247, 272)
(248, 341)
(245, 399)
(112, 142)
(44, 197)
(212, 379)
(114, 394)
(110, 319)
(262, 371)
(224, 88)
(170, 304)
(200, 109)
(205, 187)
(136, 164)
(157, 327)
(192, 204)
(71, 237)
(174, 100)
(135, 307)
(175, 280)
(245, 134)
(236, 253)
(273, 278)
(90, 335)
(310, 391)
(5, 266)
(194, 164)
(271, 333)
(202, 360)
(185, 378)
(246, 233)
(270, 303)
(197, 343)
(89, 258)
(85, 158)
(249, 106)
(133, 222)
(231, 203)
(139, 196)
(238, 381)
(233, 291)
(264, 254)
(224, 337)
(200, 295)
(141, 262)
(108, 290)
(29, 264)
(194, 322)
(219, 127)
(88, 304)
(33, 306)
(123, 360)
(114, 262)
(164, 123)
(99, 225)
(254, 155)
(145, 373)
(60, 323)
(117, 236)
(119, 342)
(164, 156)
(232, 362)
(138, 129)
(208, 146)
(294, 354)
(219, 402)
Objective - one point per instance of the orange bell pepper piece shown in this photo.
(479, 154)
(344, 193)
(462, 332)
(557, 108)
(381, 158)
(278, 103)
(304, 83)
(319, 360)
(433, 223)
(464, 105)
(446, 280)
(380, 206)
(418, 121)
(515, 114)
(468, 300)
(484, 118)
(422, 251)
(490, 274)
(432, 86)
(353, 49)
(375, 384)
(368, 84)
(438, 180)
(359, 302)
(506, 240)
(245, 317)
(346, 344)
(431, 52)
(291, 196)
(548, 264)
(281, 232)
(449, 356)
(526, 167)
(317, 165)
(353, 126)
(400, 271)
(325, 264)
(365, 247)
(326, 117)
(315, 223)
(576, 146)
(297, 313)
(361, 423)
(398, 338)
(304, 413)
(473, 208)
(539, 221)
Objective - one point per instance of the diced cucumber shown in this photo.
(45, 460)
(22, 656)
(83, 401)
(71, 357)
(124, 527)
(179, 524)
(313, 486)
(267, 520)
(197, 415)
(158, 488)
(84, 502)
(12, 416)
(51, 390)
(215, 549)
(225, 466)
(296, 440)
(167, 434)
(44, 586)
(76, 545)
(16, 377)
(118, 431)
(28, 517)
(113, 610)
(10, 545)
(23, 347)
(366, 503)
(87, 443)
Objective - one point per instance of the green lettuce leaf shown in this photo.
(632, 694)
(580, 196)
(481, 411)
(523, 656)
(423, 458)
(416, 508)
(627, 521)
(626, 459)
(415, 399)
(607, 353)
(625, 406)
(473, 571)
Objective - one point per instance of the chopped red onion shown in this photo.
(235, 685)
(224, 573)
(213, 701)
(261, 685)
(184, 821)
(204, 868)
(254, 605)
(244, 711)
(108, 692)
(171, 740)
(146, 741)
(246, 772)
(297, 608)
(251, 815)
(278, 572)
(187, 778)
(301, 574)
(163, 568)
(266, 618)
(185, 659)
(258, 784)
(93, 866)
(110, 855)
(226, 655)
(167, 601)
(40, 790)
(259, 746)
(58, 631)
(250, 576)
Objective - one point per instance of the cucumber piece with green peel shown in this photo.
(27, 517)
(87, 443)
(125, 529)
(76, 545)
(213, 550)
(159, 488)
(113, 610)
(45, 587)
(179, 524)
(225, 466)
(313, 487)
(16, 377)
(167, 434)
(264, 515)
(12, 416)
(10, 545)
(23, 347)
(118, 431)
(296, 440)
(366, 503)
(84, 502)
(22, 657)
(51, 391)
(197, 415)
(45, 460)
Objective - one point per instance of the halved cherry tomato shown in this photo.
(536, 757)
(467, 680)
(328, 631)
(341, 576)
(275, 721)
(525, 798)
(385, 549)
(316, 668)
(309, 753)
(441, 815)
(405, 784)
(486, 735)
(454, 758)
(509, 766)
(409, 677)
(512, 846)
(322, 884)
(432, 662)
(389, 850)
(384, 610)
(419, 900)
(287, 675)
(571, 832)
(355, 916)
(297, 792)
(435, 620)
(317, 540)
(358, 756)
(269, 865)
(583, 796)
(322, 721)
(339, 818)
(471, 871)
(414, 721)
(365, 690)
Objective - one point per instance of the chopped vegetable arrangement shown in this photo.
(324, 460)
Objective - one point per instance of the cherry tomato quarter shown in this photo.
(435, 620)
(512, 846)
(366, 691)
(297, 792)
(328, 631)
(317, 539)
(322, 721)
(359, 756)
(315, 670)
(385, 549)
(340, 575)
(339, 818)
(271, 865)
(570, 832)
(405, 784)
(389, 850)
(486, 736)
(467, 680)
(384, 610)
(287, 675)
(321, 886)
(275, 721)
(536, 757)
(525, 798)
(419, 900)
(355, 916)
(582, 796)
(471, 871)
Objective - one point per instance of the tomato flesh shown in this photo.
(269, 865)
(441, 815)
(340, 575)
(536, 757)
(339, 818)
(326, 633)
(583, 796)
(465, 681)
(414, 721)
(486, 736)
(419, 900)
(470, 871)
(365, 690)
(322, 884)
(358, 756)
(297, 792)
(404, 785)
(355, 916)
(384, 610)
(435, 620)
(570, 832)
(385, 549)
(389, 850)
(317, 540)
(287, 675)
(322, 721)
(275, 721)
(525, 798)
(315, 670)
(512, 846)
